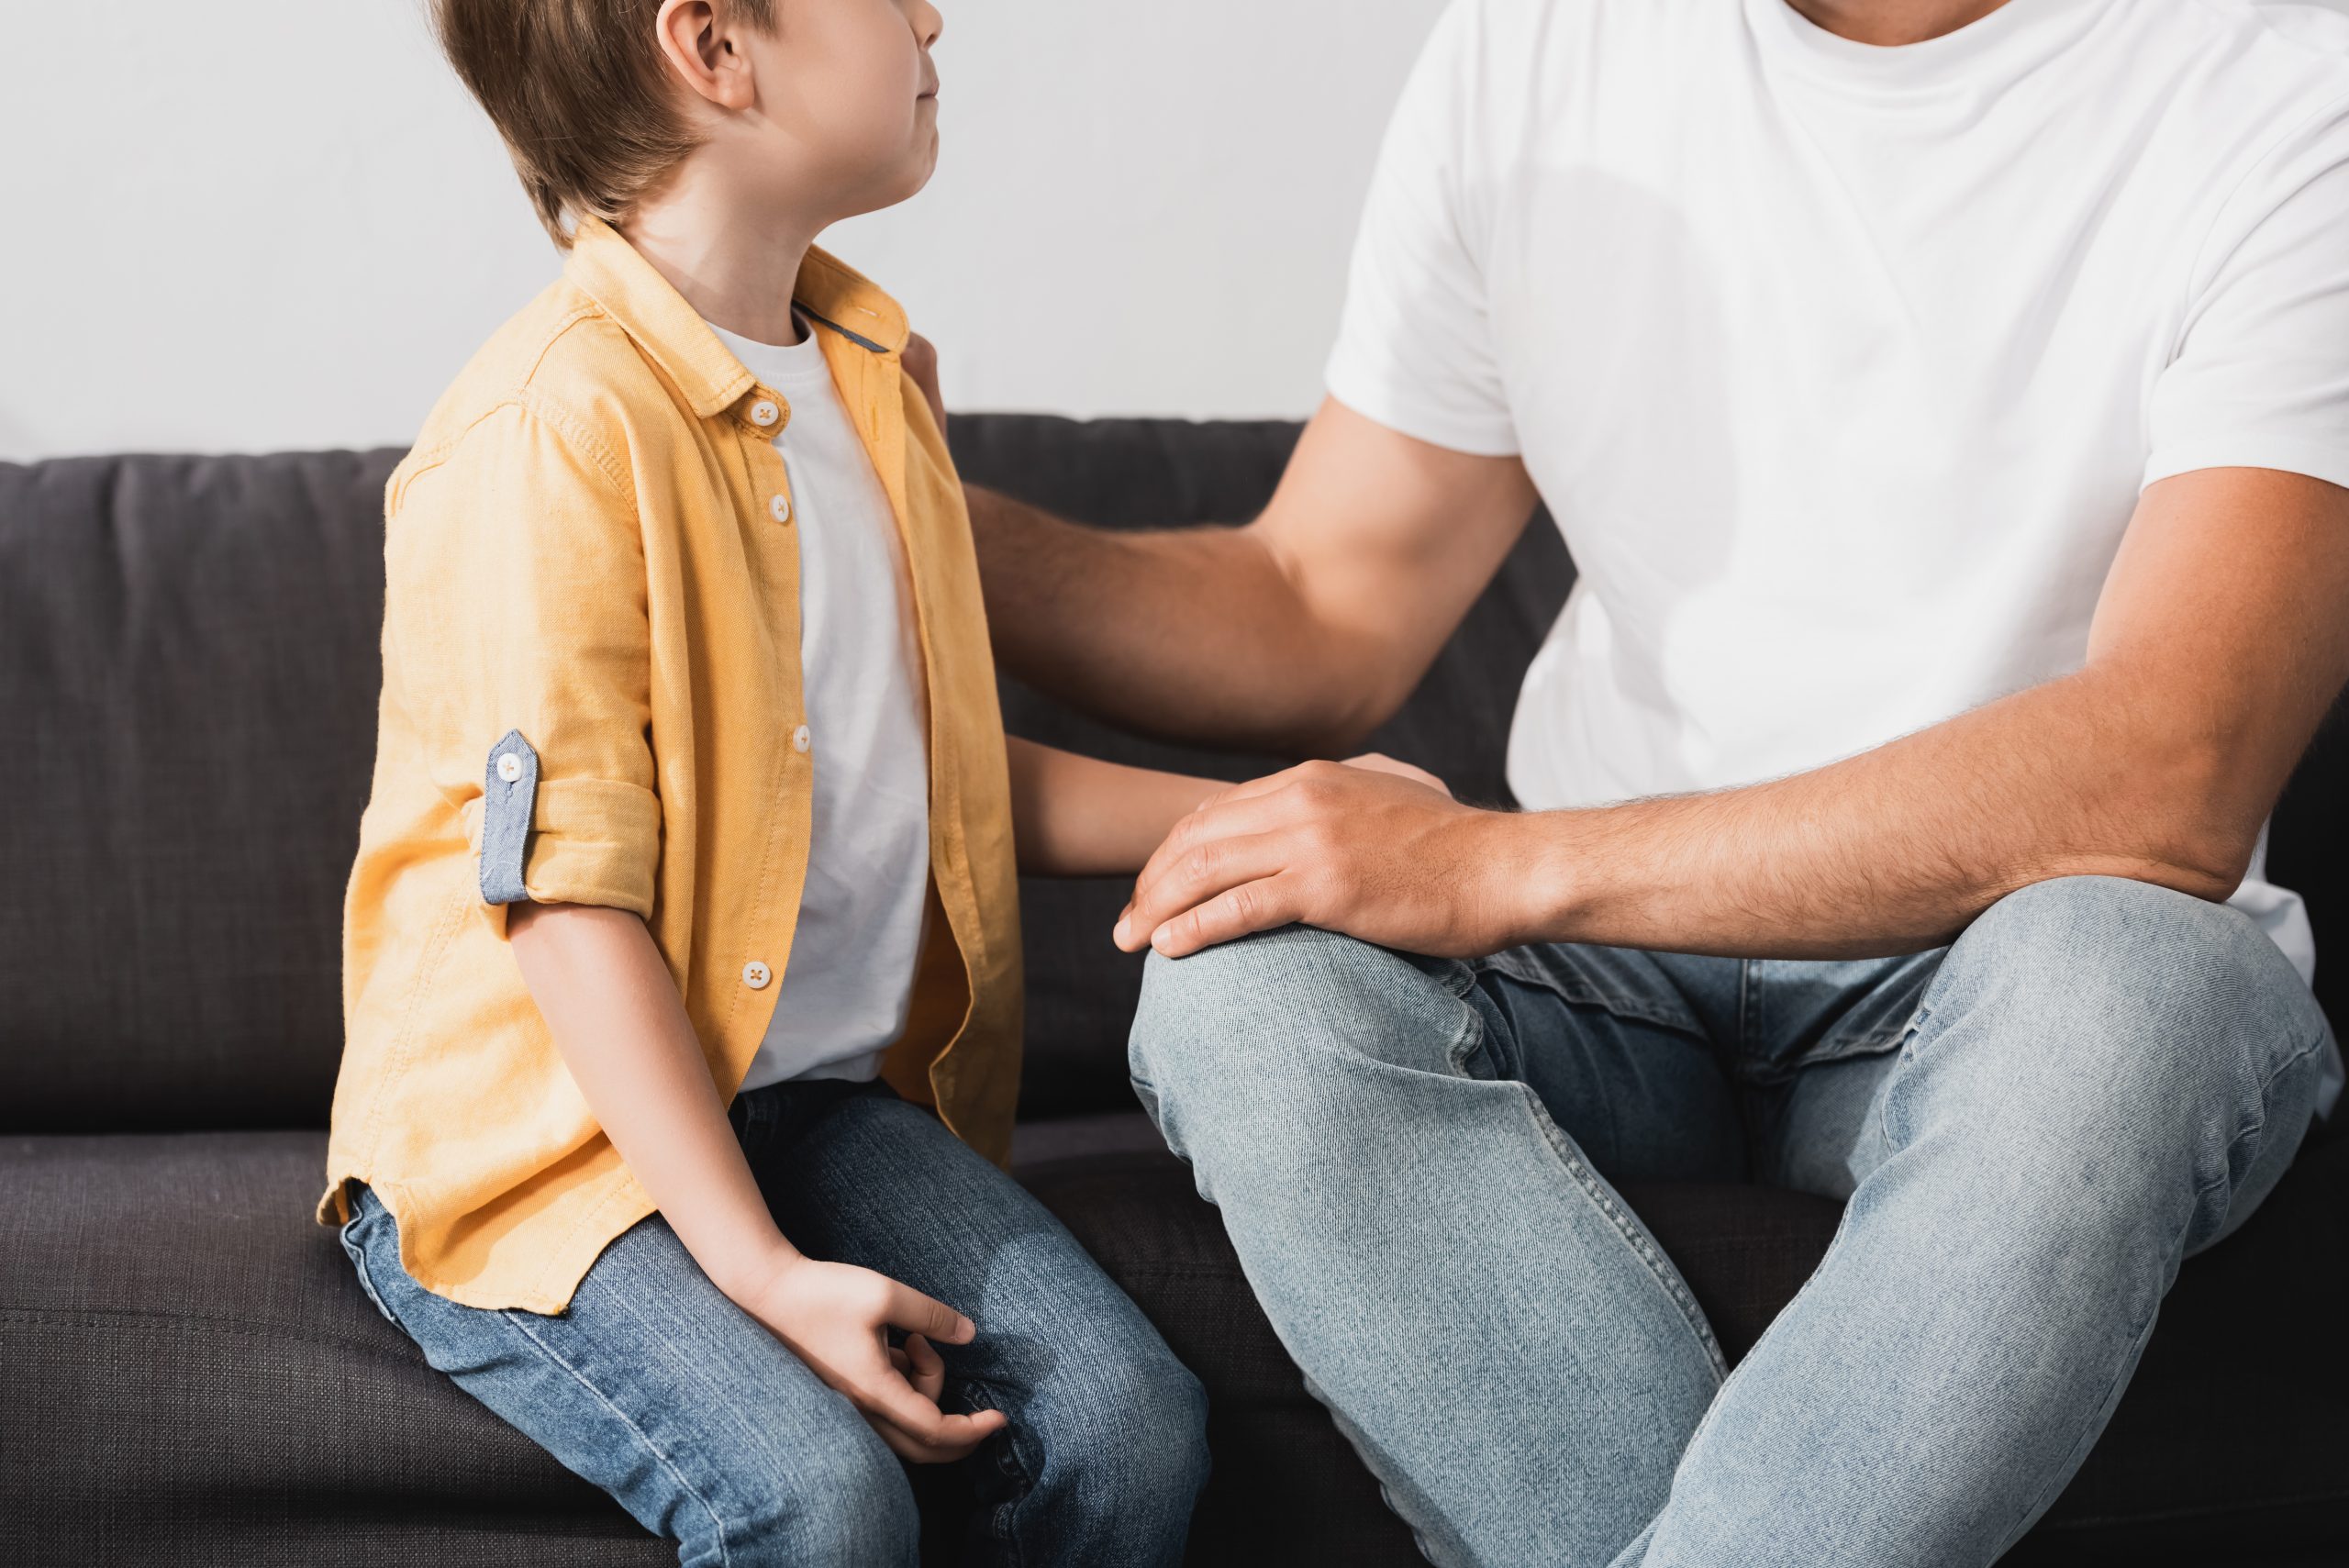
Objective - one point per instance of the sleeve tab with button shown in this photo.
(509, 798)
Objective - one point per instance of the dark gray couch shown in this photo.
(188, 1373)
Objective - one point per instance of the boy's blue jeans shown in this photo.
(2033, 1126)
(662, 1392)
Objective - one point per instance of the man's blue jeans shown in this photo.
(2032, 1126)
(662, 1391)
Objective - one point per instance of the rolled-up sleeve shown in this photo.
(517, 645)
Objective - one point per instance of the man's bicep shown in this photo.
(1388, 540)
(2229, 597)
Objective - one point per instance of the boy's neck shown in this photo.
(735, 264)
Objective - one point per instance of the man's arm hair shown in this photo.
(2220, 642)
(1300, 632)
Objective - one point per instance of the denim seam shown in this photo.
(1834, 1245)
(2260, 1125)
(512, 1320)
(1917, 1022)
(1625, 1226)
(1000, 1524)
(1470, 1038)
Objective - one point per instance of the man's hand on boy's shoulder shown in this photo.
(920, 360)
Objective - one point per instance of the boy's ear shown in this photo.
(697, 40)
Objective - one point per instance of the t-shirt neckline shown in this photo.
(1998, 47)
(780, 365)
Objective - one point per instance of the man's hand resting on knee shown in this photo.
(1373, 848)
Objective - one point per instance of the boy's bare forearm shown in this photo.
(1189, 634)
(622, 1028)
(1077, 815)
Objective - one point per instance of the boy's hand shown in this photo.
(836, 1317)
(920, 360)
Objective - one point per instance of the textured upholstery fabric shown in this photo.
(187, 670)
(187, 679)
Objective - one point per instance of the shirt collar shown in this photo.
(608, 268)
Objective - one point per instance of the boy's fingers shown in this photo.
(909, 1309)
(925, 1369)
(897, 1402)
(900, 1405)
(918, 1452)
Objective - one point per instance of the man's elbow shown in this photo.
(2201, 860)
(1356, 703)
(2212, 864)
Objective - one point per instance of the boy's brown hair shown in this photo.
(579, 91)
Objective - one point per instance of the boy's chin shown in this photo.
(902, 186)
(917, 175)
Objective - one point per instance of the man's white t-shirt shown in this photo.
(850, 978)
(1840, 366)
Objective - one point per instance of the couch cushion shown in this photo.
(188, 675)
(210, 1384)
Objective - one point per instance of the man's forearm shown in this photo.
(1897, 849)
(621, 1029)
(1189, 634)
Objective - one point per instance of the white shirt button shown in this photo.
(509, 766)
(764, 412)
(799, 738)
(756, 974)
(781, 507)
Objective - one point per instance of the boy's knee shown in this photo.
(1131, 1450)
(845, 1502)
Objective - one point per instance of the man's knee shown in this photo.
(1251, 1016)
(2133, 1011)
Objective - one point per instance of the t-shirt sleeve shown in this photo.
(517, 643)
(2260, 378)
(1415, 343)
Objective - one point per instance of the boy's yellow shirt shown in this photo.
(592, 544)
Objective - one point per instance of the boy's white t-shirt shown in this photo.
(849, 978)
(1840, 367)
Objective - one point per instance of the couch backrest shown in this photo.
(188, 675)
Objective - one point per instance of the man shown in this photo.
(1947, 407)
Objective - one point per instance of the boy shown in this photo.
(684, 923)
